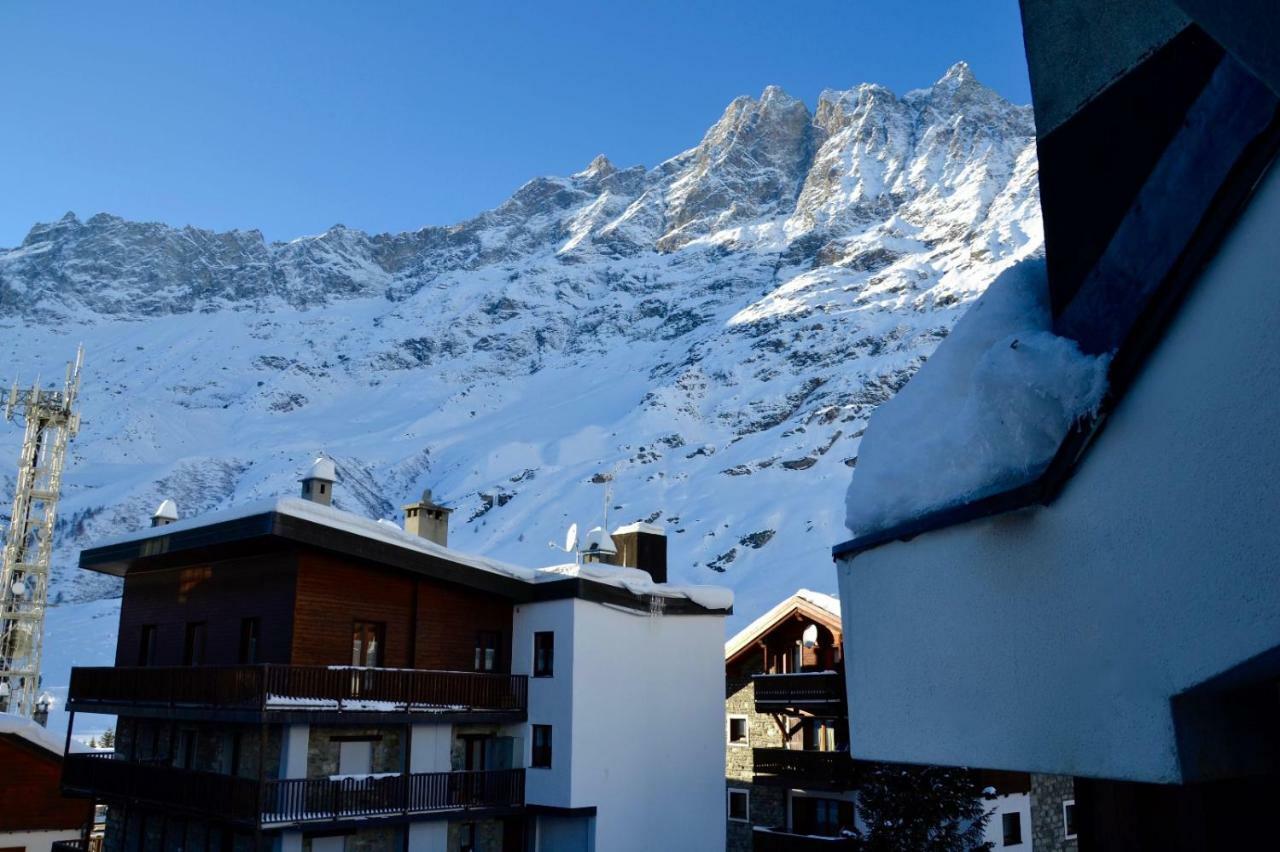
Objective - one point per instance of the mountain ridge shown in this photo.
(711, 333)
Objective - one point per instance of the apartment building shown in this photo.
(290, 676)
(791, 779)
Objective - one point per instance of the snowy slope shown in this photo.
(712, 332)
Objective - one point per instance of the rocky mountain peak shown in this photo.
(722, 323)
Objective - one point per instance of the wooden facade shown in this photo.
(305, 602)
(30, 786)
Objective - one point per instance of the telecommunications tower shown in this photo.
(51, 421)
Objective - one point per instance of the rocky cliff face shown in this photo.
(710, 334)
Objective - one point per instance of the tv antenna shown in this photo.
(50, 422)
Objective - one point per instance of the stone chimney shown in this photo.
(643, 546)
(317, 485)
(428, 519)
(165, 514)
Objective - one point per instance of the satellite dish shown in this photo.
(571, 538)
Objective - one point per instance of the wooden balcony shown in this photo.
(818, 693)
(293, 801)
(256, 692)
(825, 770)
(770, 840)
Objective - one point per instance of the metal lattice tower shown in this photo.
(51, 421)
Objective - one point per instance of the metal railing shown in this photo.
(830, 769)
(230, 797)
(292, 800)
(268, 687)
(770, 840)
(805, 689)
(296, 800)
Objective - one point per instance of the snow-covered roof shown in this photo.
(597, 541)
(322, 468)
(744, 637)
(167, 510)
(633, 580)
(640, 527)
(31, 732)
(985, 414)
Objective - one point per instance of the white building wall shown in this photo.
(1019, 803)
(648, 728)
(550, 698)
(1051, 639)
(35, 841)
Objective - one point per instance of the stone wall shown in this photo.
(323, 750)
(1048, 792)
(488, 835)
(767, 806)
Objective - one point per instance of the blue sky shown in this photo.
(291, 117)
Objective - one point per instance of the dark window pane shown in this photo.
(147, 646)
(541, 747)
(249, 628)
(193, 646)
(544, 644)
(1012, 825)
(487, 651)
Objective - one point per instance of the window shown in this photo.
(541, 747)
(822, 817)
(249, 629)
(488, 643)
(738, 734)
(193, 646)
(467, 837)
(366, 643)
(1012, 825)
(355, 757)
(544, 646)
(739, 805)
(1069, 819)
(147, 646)
(184, 754)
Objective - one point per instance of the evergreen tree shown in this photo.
(108, 738)
(921, 809)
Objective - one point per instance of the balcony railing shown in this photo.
(297, 800)
(279, 687)
(769, 840)
(813, 691)
(234, 799)
(293, 800)
(832, 770)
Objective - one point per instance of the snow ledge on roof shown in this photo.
(985, 414)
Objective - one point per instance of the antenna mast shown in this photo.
(51, 421)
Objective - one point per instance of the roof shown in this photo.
(640, 527)
(817, 605)
(249, 527)
(1143, 171)
(37, 735)
(323, 468)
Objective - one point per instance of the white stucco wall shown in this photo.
(35, 841)
(637, 713)
(550, 698)
(1019, 803)
(1051, 639)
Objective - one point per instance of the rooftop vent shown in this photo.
(165, 514)
(428, 519)
(642, 546)
(317, 485)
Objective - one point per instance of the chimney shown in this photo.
(643, 546)
(428, 519)
(317, 485)
(166, 514)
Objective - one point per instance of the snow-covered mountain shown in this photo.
(711, 333)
